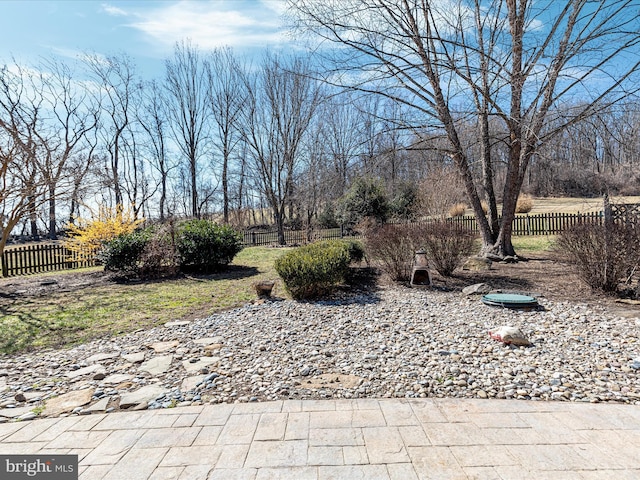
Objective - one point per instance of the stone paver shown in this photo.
(345, 439)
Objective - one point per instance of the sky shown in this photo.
(146, 30)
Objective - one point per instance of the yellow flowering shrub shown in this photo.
(87, 235)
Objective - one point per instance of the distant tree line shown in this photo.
(451, 109)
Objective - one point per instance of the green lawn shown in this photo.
(68, 318)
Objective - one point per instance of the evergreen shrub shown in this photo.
(203, 245)
(315, 269)
(122, 253)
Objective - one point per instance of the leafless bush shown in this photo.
(603, 255)
(394, 247)
(447, 245)
(159, 259)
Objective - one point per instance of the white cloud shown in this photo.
(114, 11)
(212, 24)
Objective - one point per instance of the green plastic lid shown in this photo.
(509, 300)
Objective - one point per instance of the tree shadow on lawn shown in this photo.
(231, 272)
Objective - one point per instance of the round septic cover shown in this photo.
(510, 300)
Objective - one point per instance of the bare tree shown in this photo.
(22, 187)
(154, 121)
(186, 85)
(71, 119)
(282, 101)
(116, 87)
(227, 98)
(515, 61)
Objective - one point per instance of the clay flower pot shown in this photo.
(264, 288)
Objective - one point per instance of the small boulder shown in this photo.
(510, 336)
(477, 264)
(477, 289)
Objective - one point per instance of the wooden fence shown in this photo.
(538, 224)
(44, 258)
(291, 237)
(40, 258)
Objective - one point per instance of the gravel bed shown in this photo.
(396, 342)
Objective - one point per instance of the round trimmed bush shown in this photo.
(123, 252)
(313, 270)
(203, 245)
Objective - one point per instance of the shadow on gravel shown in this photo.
(361, 288)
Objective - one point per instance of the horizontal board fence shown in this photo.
(44, 258)
(41, 258)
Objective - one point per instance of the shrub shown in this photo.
(122, 253)
(603, 255)
(394, 247)
(457, 210)
(355, 250)
(313, 270)
(203, 245)
(524, 204)
(327, 217)
(404, 204)
(447, 245)
(87, 236)
(365, 198)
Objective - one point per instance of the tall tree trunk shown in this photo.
(52, 213)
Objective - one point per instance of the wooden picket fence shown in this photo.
(538, 224)
(292, 237)
(38, 258)
(49, 257)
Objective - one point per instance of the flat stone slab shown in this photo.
(145, 394)
(157, 365)
(177, 323)
(15, 412)
(201, 363)
(209, 340)
(69, 401)
(189, 383)
(161, 347)
(117, 378)
(100, 357)
(134, 357)
(100, 406)
(95, 368)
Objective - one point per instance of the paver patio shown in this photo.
(345, 439)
